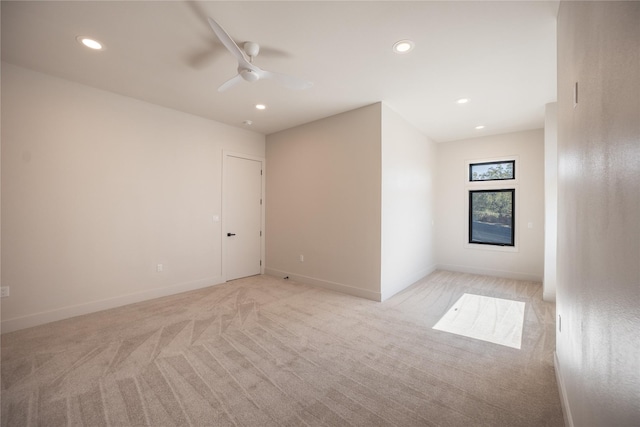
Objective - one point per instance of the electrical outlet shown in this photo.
(301, 258)
(4, 291)
(159, 268)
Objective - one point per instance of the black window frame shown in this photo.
(499, 162)
(513, 216)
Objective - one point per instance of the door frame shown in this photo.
(226, 190)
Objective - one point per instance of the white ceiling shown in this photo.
(500, 55)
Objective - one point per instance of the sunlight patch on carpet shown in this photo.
(495, 320)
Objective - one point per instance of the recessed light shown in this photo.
(261, 106)
(403, 46)
(479, 127)
(90, 43)
(462, 100)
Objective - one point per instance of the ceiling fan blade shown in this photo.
(286, 80)
(230, 83)
(228, 42)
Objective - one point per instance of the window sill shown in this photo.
(491, 248)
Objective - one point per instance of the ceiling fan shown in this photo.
(246, 70)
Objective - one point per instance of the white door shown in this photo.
(242, 216)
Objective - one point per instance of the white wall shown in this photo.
(453, 251)
(550, 201)
(323, 202)
(598, 289)
(97, 189)
(408, 199)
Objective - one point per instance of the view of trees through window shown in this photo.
(491, 217)
(491, 171)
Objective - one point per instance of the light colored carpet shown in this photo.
(263, 351)
(490, 319)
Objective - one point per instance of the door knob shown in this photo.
(231, 234)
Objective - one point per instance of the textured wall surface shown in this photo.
(598, 290)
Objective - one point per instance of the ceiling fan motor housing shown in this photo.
(249, 75)
(251, 48)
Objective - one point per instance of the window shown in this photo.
(491, 217)
(490, 190)
(492, 171)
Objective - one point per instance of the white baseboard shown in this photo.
(403, 283)
(566, 410)
(17, 323)
(338, 287)
(489, 272)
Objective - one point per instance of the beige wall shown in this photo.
(453, 252)
(598, 289)
(97, 189)
(323, 202)
(550, 201)
(104, 188)
(408, 199)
